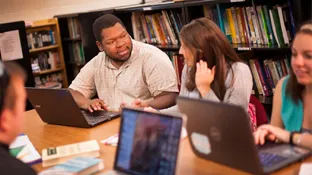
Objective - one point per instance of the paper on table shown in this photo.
(305, 169)
(10, 46)
(113, 140)
(24, 150)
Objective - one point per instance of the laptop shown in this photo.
(148, 143)
(221, 133)
(58, 107)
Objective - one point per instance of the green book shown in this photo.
(277, 30)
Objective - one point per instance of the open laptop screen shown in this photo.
(148, 143)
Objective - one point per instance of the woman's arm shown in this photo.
(276, 119)
(304, 140)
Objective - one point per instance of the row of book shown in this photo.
(254, 25)
(76, 53)
(40, 39)
(73, 27)
(267, 73)
(45, 61)
(49, 81)
(159, 28)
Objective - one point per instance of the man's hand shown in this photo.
(95, 105)
(137, 103)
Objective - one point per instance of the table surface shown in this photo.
(44, 135)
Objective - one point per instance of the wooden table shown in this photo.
(43, 135)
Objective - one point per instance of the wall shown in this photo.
(30, 10)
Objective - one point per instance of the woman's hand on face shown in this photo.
(204, 77)
(271, 133)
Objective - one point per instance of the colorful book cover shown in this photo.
(232, 26)
(23, 149)
(76, 166)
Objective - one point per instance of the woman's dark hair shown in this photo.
(293, 88)
(206, 42)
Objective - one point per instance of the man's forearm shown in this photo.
(164, 100)
(79, 98)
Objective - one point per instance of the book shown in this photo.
(76, 166)
(23, 149)
(60, 154)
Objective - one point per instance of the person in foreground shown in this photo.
(291, 120)
(213, 71)
(124, 72)
(12, 106)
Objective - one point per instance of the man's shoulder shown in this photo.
(11, 165)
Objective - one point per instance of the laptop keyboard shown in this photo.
(96, 117)
(269, 159)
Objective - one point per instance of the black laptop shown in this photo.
(57, 106)
(221, 133)
(148, 143)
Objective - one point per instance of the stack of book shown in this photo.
(267, 73)
(159, 28)
(40, 39)
(254, 25)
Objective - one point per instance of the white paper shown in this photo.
(28, 154)
(306, 169)
(10, 46)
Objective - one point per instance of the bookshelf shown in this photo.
(166, 20)
(72, 44)
(46, 52)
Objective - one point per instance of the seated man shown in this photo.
(124, 71)
(12, 106)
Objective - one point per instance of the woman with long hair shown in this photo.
(291, 120)
(212, 71)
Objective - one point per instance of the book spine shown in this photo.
(220, 17)
(269, 26)
(262, 80)
(256, 76)
(169, 28)
(226, 25)
(235, 20)
(282, 23)
(240, 25)
(251, 26)
(255, 21)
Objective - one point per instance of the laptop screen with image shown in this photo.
(148, 143)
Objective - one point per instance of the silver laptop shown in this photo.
(148, 143)
(221, 133)
(57, 106)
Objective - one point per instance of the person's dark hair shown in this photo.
(206, 42)
(293, 88)
(8, 71)
(103, 22)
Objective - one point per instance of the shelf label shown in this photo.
(243, 48)
(237, 0)
(147, 8)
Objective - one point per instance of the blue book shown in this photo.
(220, 18)
(77, 166)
